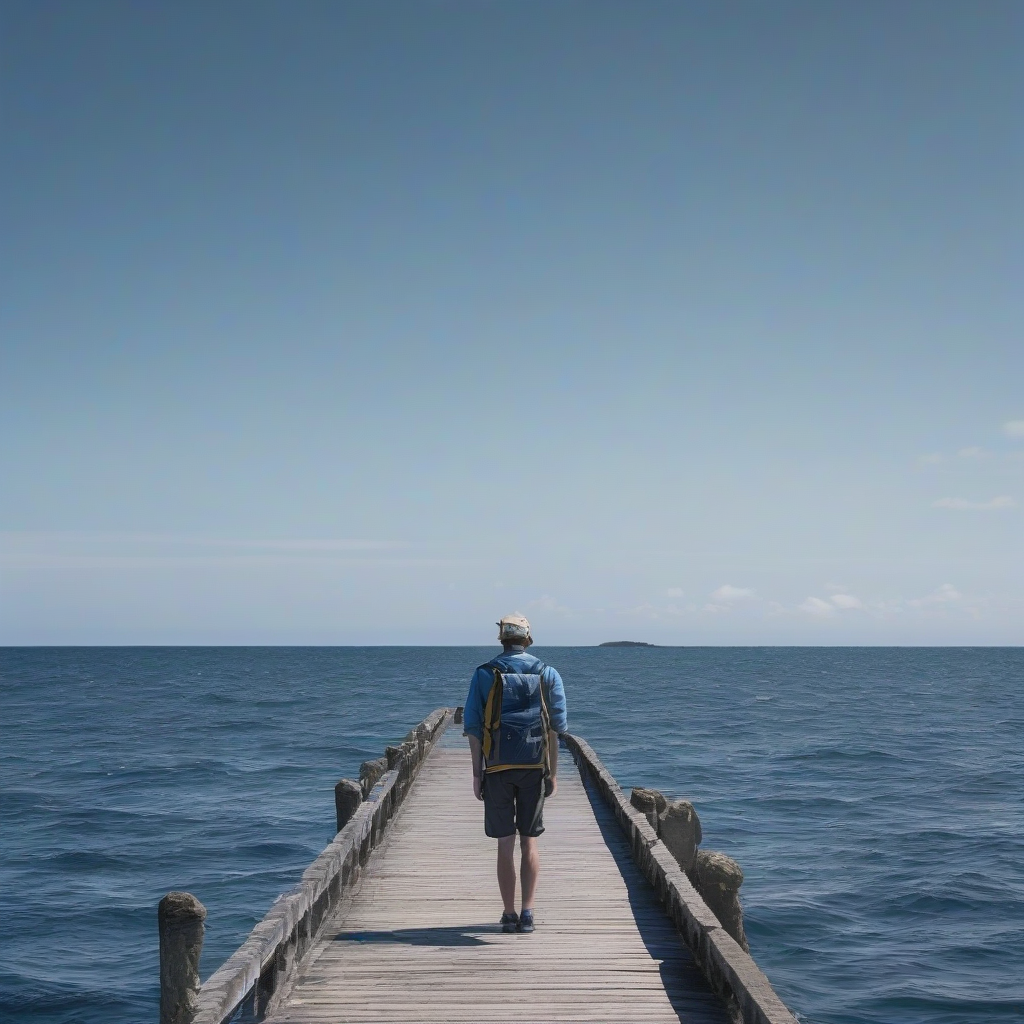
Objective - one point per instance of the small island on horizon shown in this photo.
(626, 643)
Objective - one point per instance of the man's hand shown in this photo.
(550, 786)
(477, 788)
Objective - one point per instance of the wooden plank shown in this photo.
(418, 939)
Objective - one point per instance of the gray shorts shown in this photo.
(514, 802)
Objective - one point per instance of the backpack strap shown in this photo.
(545, 721)
(492, 711)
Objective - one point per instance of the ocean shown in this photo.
(874, 798)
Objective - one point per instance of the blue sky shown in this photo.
(368, 323)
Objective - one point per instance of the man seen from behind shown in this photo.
(513, 717)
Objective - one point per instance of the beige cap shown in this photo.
(514, 627)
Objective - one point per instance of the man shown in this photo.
(513, 716)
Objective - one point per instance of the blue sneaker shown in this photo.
(526, 921)
(510, 922)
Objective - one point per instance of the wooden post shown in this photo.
(650, 801)
(718, 881)
(370, 772)
(680, 831)
(348, 795)
(180, 917)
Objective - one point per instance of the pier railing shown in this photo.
(246, 987)
(728, 967)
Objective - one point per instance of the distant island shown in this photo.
(625, 643)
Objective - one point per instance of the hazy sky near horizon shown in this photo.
(367, 323)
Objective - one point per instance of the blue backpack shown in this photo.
(516, 721)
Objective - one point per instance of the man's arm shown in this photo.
(552, 788)
(559, 723)
(472, 728)
(556, 701)
(476, 751)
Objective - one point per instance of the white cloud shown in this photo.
(837, 602)
(945, 594)
(932, 459)
(674, 592)
(962, 504)
(546, 603)
(659, 612)
(1014, 428)
(974, 452)
(815, 606)
(892, 606)
(727, 594)
(646, 610)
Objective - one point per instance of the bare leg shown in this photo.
(529, 869)
(507, 872)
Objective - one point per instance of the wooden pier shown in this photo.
(397, 920)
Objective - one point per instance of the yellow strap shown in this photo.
(492, 713)
(509, 767)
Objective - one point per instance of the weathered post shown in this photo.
(680, 831)
(422, 739)
(718, 881)
(650, 802)
(180, 917)
(348, 795)
(370, 773)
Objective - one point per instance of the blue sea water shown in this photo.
(874, 798)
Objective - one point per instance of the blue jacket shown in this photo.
(515, 660)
